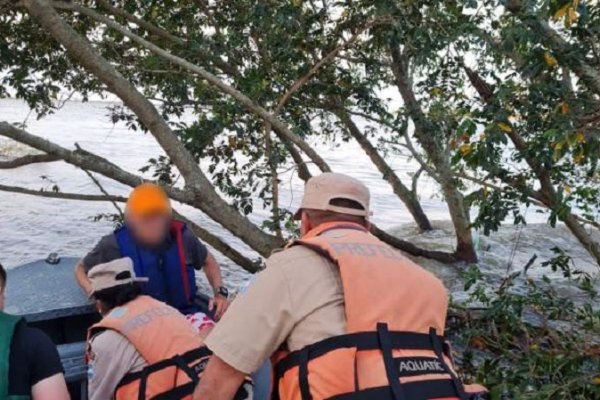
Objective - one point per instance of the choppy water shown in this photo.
(31, 227)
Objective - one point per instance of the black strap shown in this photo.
(420, 390)
(177, 393)
(275, 390)
(438, 347)
(184, 366)
(183, 391)
(143, 385)
(361, 341)
(303, 375)
(186, 358)
(388, 360)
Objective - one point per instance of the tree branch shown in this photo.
(147, 26)
(272, 163)
(61, 195)
(407, 247)
(27, 160)
(101, 188)
(328, 58)
(547, 193)
(424, 132)
(82, 159)
(534, 198)
(399, 188)
(205, 196)
(219, 244)
(81, 50)
(302, 169)
(561, 48)
(157, 31)
(278, 126)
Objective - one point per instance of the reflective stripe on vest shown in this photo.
(395, 317)
(170, 278)
(165, 339)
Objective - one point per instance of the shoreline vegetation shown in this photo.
(527, 343)
(525, 320)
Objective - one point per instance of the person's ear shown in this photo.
(99, 307)
(305, 224)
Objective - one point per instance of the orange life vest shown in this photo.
(395, 318)
(166, 340)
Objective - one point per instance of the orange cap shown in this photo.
(321, 191)
(147, 199)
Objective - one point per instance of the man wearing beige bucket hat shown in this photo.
(341, 314)
(142, 347)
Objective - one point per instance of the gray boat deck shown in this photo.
(40, 291)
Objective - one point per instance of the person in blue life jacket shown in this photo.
(30, 367)
(163, 250)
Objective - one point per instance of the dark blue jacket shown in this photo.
(171, 279)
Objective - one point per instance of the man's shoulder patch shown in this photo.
(118, 312)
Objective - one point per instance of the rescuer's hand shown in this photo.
(218, 305)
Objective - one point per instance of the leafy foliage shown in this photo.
(528, 341)
(510, 112)
(500, 108)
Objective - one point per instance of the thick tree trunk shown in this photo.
(402, 191)
(205, 196)
(547, 193)
(302, 168)
(272, 163)
(424, 132)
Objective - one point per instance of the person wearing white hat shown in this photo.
(142, 347)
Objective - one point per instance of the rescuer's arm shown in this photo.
(107, 249)
(220, 381)
(257, 323)
(213, 274)
(82, 279)
(44, 366)
(52, 388)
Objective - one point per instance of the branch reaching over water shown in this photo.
(85, 160)
(409, 198)
(28, 160)
(436, 152)
(325, 60)
(61, 195)
(101, 188)
(216, 242)
(220, 245)
(278, 126)
(407, 247)
(547, 194)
